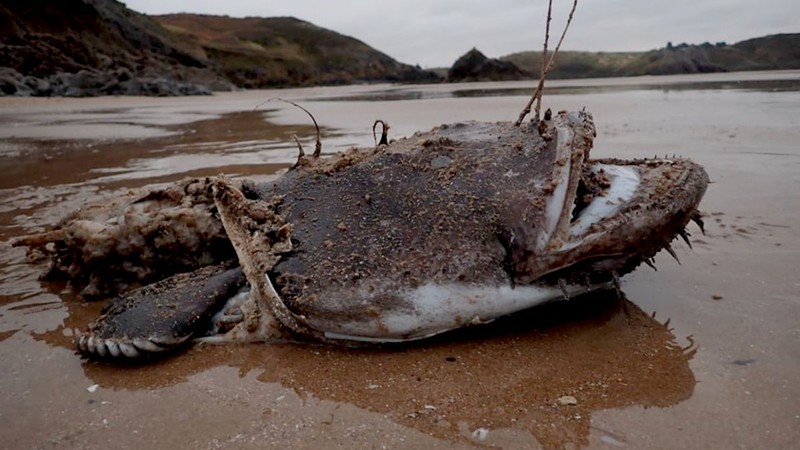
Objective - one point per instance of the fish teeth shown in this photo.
(697, 218)
(650, 263)
(683, 234)
(669, 249)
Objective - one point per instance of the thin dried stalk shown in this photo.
(537, 94)
(318, 145)
(384, 133)
(542, 72)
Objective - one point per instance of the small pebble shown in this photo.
(568, 400)
(93, 388)
(480, 434)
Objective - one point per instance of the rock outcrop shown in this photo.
(475, 66)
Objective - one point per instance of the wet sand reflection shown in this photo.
(518, 373)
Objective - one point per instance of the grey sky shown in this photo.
(436, 32)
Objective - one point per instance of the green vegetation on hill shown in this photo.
(780, 51)
(263, 52)
(100, 47)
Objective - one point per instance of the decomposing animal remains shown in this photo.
(447, 228)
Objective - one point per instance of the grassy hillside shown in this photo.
(97, 47)
(40, 37)
(574, 64)
(263, 52)
(780, 51)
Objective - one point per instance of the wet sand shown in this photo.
(701, 355)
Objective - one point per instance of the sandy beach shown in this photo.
(705, 354)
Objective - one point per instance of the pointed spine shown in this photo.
(685, 237)
(669, 250)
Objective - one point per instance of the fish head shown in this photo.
(603, 217)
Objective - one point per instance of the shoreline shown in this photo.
(713, 341)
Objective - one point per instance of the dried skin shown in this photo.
(136, 239)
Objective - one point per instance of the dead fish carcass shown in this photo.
(447, 228)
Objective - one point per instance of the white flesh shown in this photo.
(440, 308)
(624, 182)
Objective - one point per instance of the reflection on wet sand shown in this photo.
(241, 142)
(518, 373)
(663, 84)
(736, 291)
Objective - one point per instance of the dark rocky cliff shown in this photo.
(475, 66)
(100, 47)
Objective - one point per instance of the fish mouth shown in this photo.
(621, 214)
(604, 217)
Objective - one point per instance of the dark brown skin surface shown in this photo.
(431, 208)
(349, 239)
(172, 309)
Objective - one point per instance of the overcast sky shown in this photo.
(434, 33)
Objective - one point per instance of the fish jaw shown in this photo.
(643, 206)
(571, 136)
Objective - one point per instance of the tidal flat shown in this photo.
(705, 354)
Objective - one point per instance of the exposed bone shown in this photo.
(264, 311)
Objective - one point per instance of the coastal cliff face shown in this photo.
(255, 52)
(100, 47)
(94, 47)
(475, 66)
